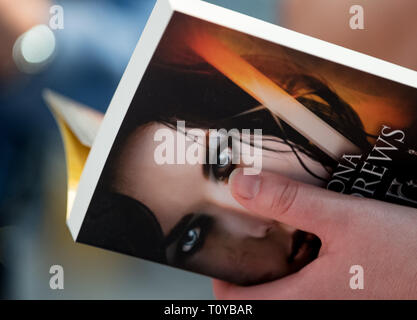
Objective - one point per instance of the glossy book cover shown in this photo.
(208, 90)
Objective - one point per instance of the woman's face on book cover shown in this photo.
(205, 229)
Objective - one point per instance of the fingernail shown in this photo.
(245, 186)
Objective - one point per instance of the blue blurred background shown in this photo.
(90, 56)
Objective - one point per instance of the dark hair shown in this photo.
(205, 99)
(119, 223)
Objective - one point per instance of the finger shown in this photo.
(302, 206)
(301, 285)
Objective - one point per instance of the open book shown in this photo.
(208, 90)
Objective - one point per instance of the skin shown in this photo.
(17, 17)
(389, 34)
(379, 236)
(238, 246)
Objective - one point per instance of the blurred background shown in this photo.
(85, 61)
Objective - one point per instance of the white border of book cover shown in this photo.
(305, 121)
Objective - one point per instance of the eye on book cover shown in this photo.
(213, 99)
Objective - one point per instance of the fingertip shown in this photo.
(233, 175)
(244, 186)
(220, 289)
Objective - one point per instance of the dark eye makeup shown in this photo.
(222, 166)
(193, 238)
(188, 236)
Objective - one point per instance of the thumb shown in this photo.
(302, 206)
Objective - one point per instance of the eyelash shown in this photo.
(219, 171)
(201, 223)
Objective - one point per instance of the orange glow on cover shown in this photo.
(269, 94)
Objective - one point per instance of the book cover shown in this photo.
(208, 90)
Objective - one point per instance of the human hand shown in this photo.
(380, 237)
(329, 20)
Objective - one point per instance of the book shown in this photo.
(208, 90)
